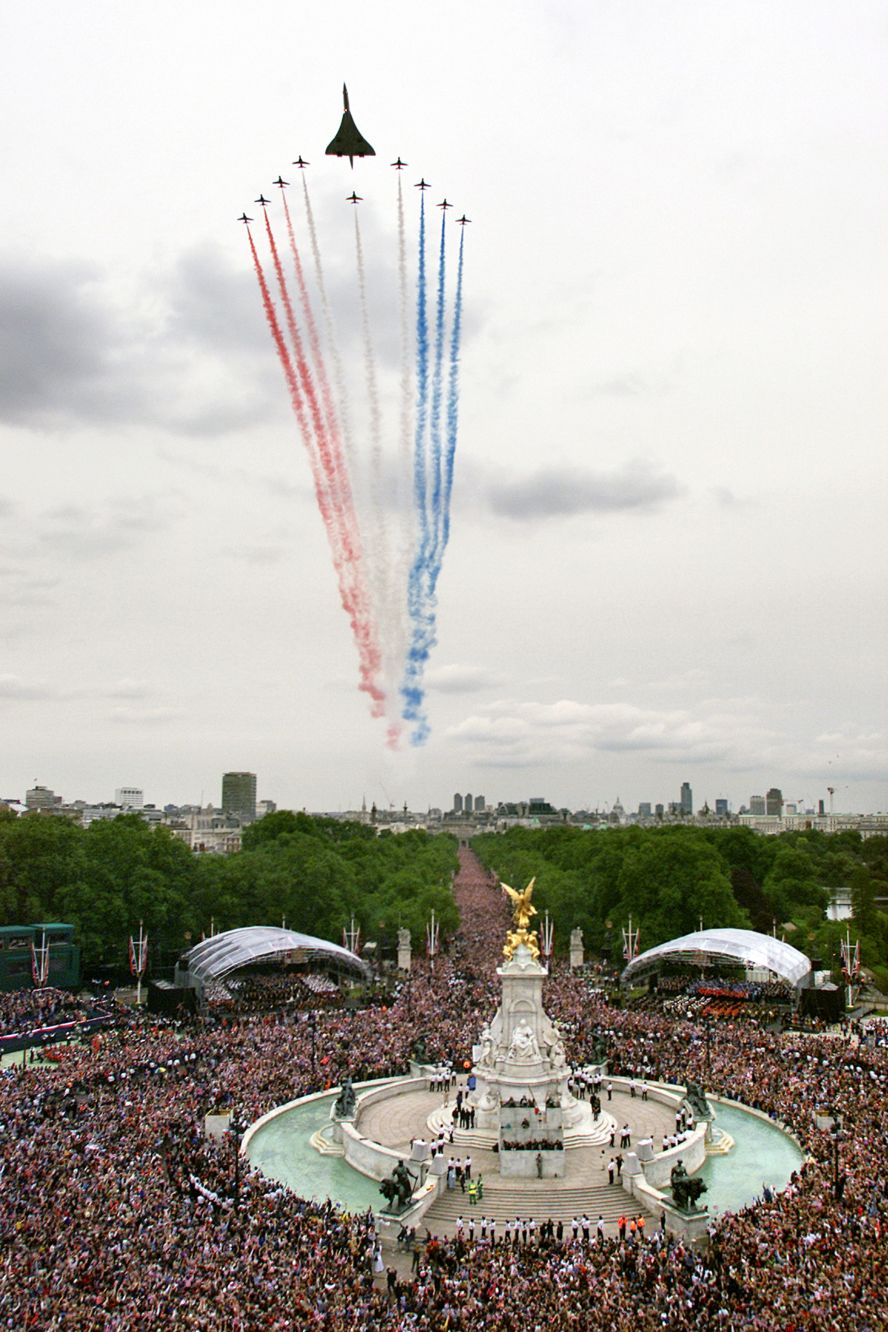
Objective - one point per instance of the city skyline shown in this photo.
(666, 559)
(673, 800)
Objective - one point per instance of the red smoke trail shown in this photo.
(354, 606)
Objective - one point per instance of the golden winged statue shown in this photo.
(522, 910)
(522, 907)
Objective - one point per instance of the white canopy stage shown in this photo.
(734, 947)
(213, 959)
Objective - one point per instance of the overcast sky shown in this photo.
(667, 557)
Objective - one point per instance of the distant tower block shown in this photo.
(457, 803)
(480, 804)
(469, 804)
(687, 799)
(239, 795)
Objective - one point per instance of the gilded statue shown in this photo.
(522, 910)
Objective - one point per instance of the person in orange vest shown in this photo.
(640, 1224)
(632, 1229)
(621, 1226)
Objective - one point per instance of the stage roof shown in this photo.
(214, 959)
(747, 947)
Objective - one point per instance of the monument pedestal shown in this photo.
(688, 1225)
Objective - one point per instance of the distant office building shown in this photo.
(457, 803)
(756, 804)
(265, 807)
(480, 804)
(687, 799)
(774, 801)
(722, 809)
(239, 795)
(40, 797)
(469, 804)
(821, 808)
(659, 811)
(130, 797)
(644, 809)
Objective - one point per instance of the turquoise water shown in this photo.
(281, 1149)
(762, 1154)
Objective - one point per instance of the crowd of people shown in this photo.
(118, 1213)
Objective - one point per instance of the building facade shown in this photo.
(239, 795)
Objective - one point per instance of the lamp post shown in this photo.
(312, 1032)
(832, 1122)
(235, 1128)
(708, 1030)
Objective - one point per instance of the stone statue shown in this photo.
(398, 1188)
(696, 1099)
(486, 1058)
(525, 1046)
(685, 1190)
(403, 939)
(556, 1053)
(576, 937)
(344, 1107)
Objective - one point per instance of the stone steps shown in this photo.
(561, 1204)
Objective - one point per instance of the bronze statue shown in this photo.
(685, 1190)
(696, 1099)
(398, 1188)
(344, 1107)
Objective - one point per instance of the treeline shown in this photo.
(314, 873)
(671, 878)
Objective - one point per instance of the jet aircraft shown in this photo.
(349, 141)
(280, 181)
(243, 218)
(399, 164)
(445, 205)
(461, 221)
(262, 200)
(422, 184)
(354, 198)
(301, 163)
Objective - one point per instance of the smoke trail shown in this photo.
(314, 341)
(370, 376)
(437, 394)
(424, 620)
(338, 375)
(384, 593)
(405, 334)
(422, 380)
(418, 592)
(452, 400)
(344, 561)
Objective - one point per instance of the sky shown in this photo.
(667, 551)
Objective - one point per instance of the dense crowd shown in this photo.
(23, 1011)
(118, 1213)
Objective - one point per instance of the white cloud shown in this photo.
(457, 679)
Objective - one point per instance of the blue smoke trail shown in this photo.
(437, 394)
(417, 653)
(427, 566)
(452, 403)
(422, 379)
